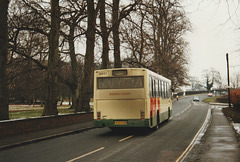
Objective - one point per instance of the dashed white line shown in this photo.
(79, 157)
(125, 138)
(182, 111)
(92, 152)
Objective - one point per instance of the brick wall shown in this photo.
(11, 127)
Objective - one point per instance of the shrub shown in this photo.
(222, 99)
(235, 98)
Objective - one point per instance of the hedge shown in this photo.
(235, 98)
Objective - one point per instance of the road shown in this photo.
(102, 144)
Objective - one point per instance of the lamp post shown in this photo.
(229, 100)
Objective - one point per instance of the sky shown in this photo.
(214, 33)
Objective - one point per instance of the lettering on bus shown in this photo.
(118, 94)
(126, 93)
(103, 73)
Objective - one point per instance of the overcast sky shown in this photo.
(214, 34)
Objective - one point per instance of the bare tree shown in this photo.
(26, 81)
(28, 49)
(33, 15)
(235, 80)
(118, 14)
(87, 82)
(155, 37)
(117, 17)
(136, 34)
(3, 60)
(212, 77)
(195, 83)
(50, 107)
(104, 34)
(73, 15)
(116, 39)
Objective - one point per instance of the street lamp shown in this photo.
(229, 100)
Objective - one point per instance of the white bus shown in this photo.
(131, 97)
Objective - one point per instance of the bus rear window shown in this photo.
(120, 82)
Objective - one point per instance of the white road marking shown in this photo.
(82, 156)
(125, 138)
(182, 111)
(196, 137)
(79, 157)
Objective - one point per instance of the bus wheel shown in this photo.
(158, 121)
(156, 127)
(169, 114)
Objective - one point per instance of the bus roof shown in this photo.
(153, 74)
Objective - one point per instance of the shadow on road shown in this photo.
(132, 131)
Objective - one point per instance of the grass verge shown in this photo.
(31, 113)
(210, 99)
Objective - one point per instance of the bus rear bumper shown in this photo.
(121, 123)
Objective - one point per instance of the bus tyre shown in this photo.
(169, 114)
(113, 129)
(156, 127)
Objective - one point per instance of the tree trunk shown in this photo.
(74, 66)
(3, 60)
(141, 53)
(62, 100)
(50, 107)
(69, 100)
(105, 35)
(116, 40)
(87, 82)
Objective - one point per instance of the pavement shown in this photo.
(219, 143)
(36, 136)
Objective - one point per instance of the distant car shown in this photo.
(209, 94)
(196, 98)
(224, 93)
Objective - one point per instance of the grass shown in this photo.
(25, 114)
(30, 112)
(210, 99)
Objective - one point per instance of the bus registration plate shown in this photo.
(120, 122)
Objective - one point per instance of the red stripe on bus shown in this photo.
(153, 106)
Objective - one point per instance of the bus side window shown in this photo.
(160, 88)
(164, 90)
(167, 90)
(156, 88)
(153, 88)
(150, 87)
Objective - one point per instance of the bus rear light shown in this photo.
(142, 115)
(98, 115)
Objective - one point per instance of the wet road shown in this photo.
(101, 144)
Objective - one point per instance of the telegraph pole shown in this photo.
(229, 100)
